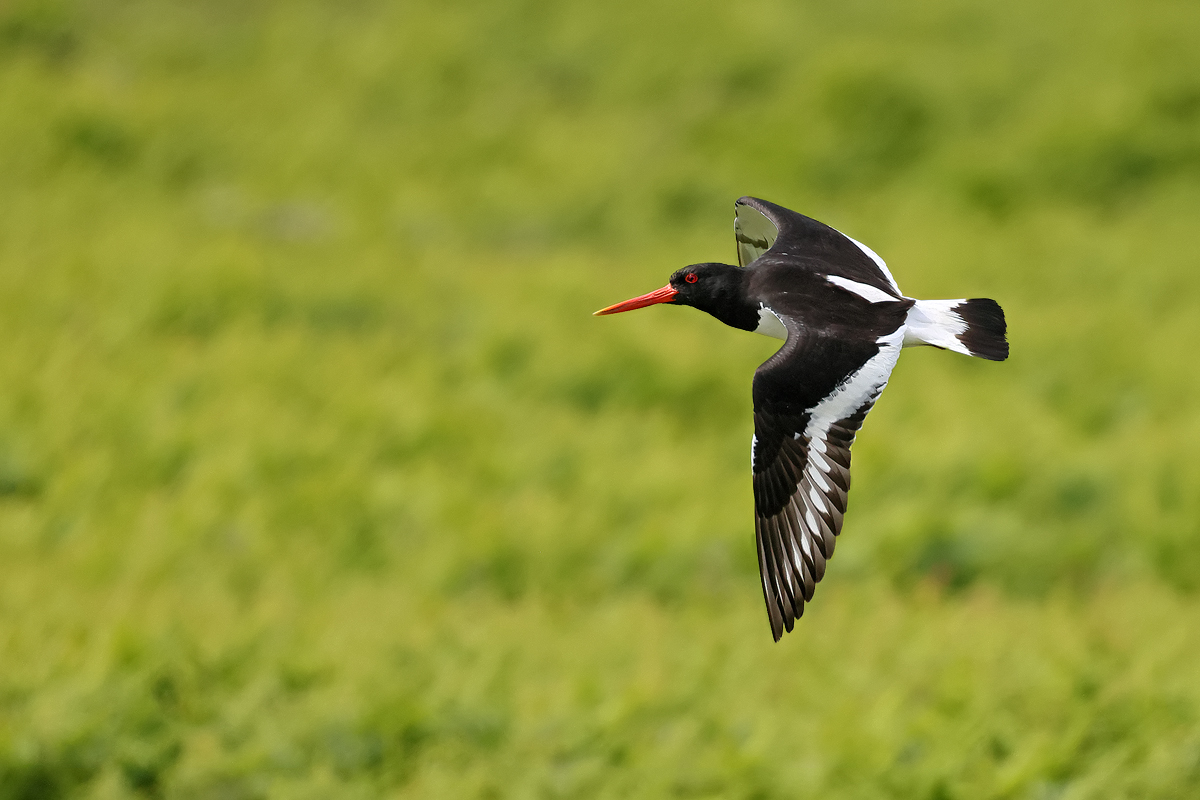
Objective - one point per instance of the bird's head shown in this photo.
(718, 289)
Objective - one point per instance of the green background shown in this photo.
(318, 479)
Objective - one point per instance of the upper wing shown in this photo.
(803, 429)
(763, 228)
(754, 231)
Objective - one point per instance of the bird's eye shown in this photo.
(691, 277)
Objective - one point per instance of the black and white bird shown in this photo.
(844, 321)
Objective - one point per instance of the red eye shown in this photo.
(691, 277)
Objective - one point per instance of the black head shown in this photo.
(718, 289)
(708, 287)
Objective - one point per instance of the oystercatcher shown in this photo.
(843, 321)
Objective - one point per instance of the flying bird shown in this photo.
(844, 321)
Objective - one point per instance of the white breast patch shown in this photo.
(769, 324)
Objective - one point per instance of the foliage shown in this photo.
(317, 478)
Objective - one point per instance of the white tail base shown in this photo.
(936, 323)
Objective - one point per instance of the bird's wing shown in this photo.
(810, 399)
(754, 231)
(763, 228)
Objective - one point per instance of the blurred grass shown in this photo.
(317, 479)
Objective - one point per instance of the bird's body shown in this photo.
(843, 321)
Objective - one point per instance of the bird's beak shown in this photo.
(663, 295)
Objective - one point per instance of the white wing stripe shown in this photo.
(810, 519)
(856, 391)
(816, 477)
(804, 545)
(863, 290)
(817, 500)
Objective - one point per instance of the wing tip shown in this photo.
(753, 202)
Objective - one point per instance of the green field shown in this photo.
(318, 479)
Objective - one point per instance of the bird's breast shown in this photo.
(769, 323)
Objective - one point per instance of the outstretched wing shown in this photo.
(754, 231)
(810, 400)
(765, 229)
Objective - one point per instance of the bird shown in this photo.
(843, 322)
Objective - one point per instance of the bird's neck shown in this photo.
(730, 302)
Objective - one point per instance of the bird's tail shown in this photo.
(973, 327)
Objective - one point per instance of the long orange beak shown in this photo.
(663, 295)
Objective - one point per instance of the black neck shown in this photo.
(720, 291)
